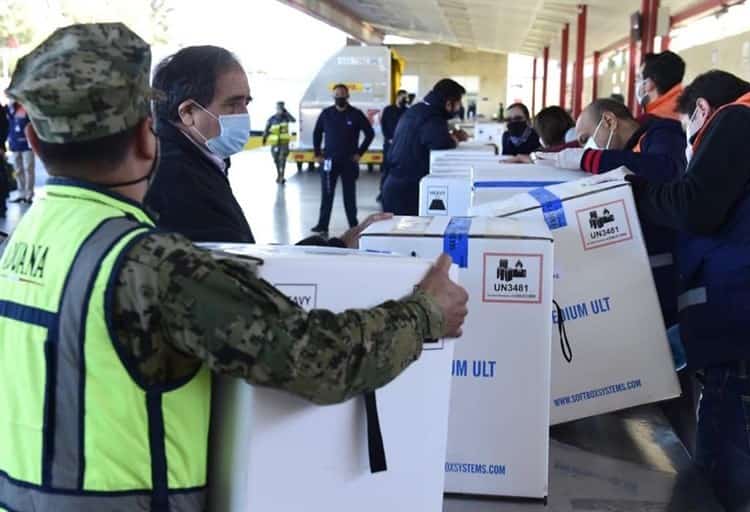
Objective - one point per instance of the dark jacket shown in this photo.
(709, 203)
(422, 128)
(389, 121)
(342, 131)
(191, 195)
(529, 146)
(661, 157)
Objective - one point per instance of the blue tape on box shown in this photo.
(456, 240)
(552, 208)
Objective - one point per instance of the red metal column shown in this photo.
(580, 58)
(533, 89)
(544, 77)
(595, 81)
(564, 64)
(632, 53)
(652, 22)
(645, 27)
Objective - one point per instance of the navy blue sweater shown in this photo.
(526, 148)
(422, 128)
(342, 129)
(662, 154)
(16, 135)
(389, 121)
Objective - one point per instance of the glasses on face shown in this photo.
(514, 119)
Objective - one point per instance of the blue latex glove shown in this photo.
(678, 350)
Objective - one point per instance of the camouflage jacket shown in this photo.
(177, 307)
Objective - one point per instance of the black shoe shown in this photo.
(319, 230)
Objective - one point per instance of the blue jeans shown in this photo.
(723, 439)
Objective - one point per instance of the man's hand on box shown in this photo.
(451, 298)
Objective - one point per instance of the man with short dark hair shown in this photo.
(659, 84)
(202, 123)
(341, 124)
(710, 205)
(109, 327)
(423, 128)
(388, 122)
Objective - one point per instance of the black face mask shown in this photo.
(517, 128)
(402, 103)
(150, 176)
(341, 102)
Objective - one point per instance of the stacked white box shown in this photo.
(454, 189)
(498, 436)
(272, 451)
(468, 148)
(603, 284)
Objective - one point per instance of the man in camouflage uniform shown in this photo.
(169, 309)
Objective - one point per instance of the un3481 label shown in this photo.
(512, 277)
(604, 225)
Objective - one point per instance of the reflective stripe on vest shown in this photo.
(87, 451)
(694, 297)
(279, 133)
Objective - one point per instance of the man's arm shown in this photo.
(434, 134)
(176, 306)
(289, 117)
(387, 124)
(318, 134)
(717, 177)
(662, 157)
(366, 127)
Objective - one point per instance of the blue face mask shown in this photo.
(233, 135)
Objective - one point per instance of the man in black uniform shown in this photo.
(341, 125)
(422, 129)
(389, 121)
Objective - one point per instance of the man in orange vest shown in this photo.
(710, 206)
(659, 84)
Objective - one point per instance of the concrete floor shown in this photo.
(277, 214)
(285, 214)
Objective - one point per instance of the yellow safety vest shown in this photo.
(79, 431)
(279, 133)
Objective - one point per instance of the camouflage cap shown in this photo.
(84, 82)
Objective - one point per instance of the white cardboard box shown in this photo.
(498, 436)
(465, 148)
(454, 193)
(604, 286)
(272, 451)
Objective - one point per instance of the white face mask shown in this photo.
(591, 143)
(640, 92)
(690, 133)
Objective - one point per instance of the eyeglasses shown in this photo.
(515, 118)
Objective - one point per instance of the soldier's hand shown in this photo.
(351, 237)
(451, 297)
(319, 159)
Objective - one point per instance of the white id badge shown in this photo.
(328, 165)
